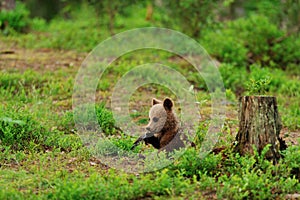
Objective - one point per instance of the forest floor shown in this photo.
(58, 69)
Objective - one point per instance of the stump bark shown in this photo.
(259, 126)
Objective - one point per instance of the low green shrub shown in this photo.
(260, 80)
(20, 131)
(291, 161)
(285, 52)
(290, 117)
(256, 33)
(16, 20)
(258, 87)
(255, 39)
(85, 117)
(114, 185)
(276, 81)
(225, 46)
(253, 176)
(190, 164)
(124, 142)
(66, 124)
(63, 142)
(105, 119)
(233, 77)
(38, 24)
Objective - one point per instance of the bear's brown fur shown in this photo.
(163, 127)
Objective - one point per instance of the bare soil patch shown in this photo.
(13, 57)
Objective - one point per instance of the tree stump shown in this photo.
(259, 126)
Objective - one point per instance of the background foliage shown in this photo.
(254, 43)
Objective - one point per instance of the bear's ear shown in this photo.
(155, 101)
(168, 104)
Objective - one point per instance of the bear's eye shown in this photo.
(155, 119)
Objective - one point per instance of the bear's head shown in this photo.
(160, 113)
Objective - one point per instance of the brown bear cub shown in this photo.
(162, 131)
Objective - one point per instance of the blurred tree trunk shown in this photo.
(236, 9)
(112, 9)
(111, 23)
(149, 12)
(7, 4)
(46, 9)
(259, 126)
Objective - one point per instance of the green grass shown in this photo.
(43, 157)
